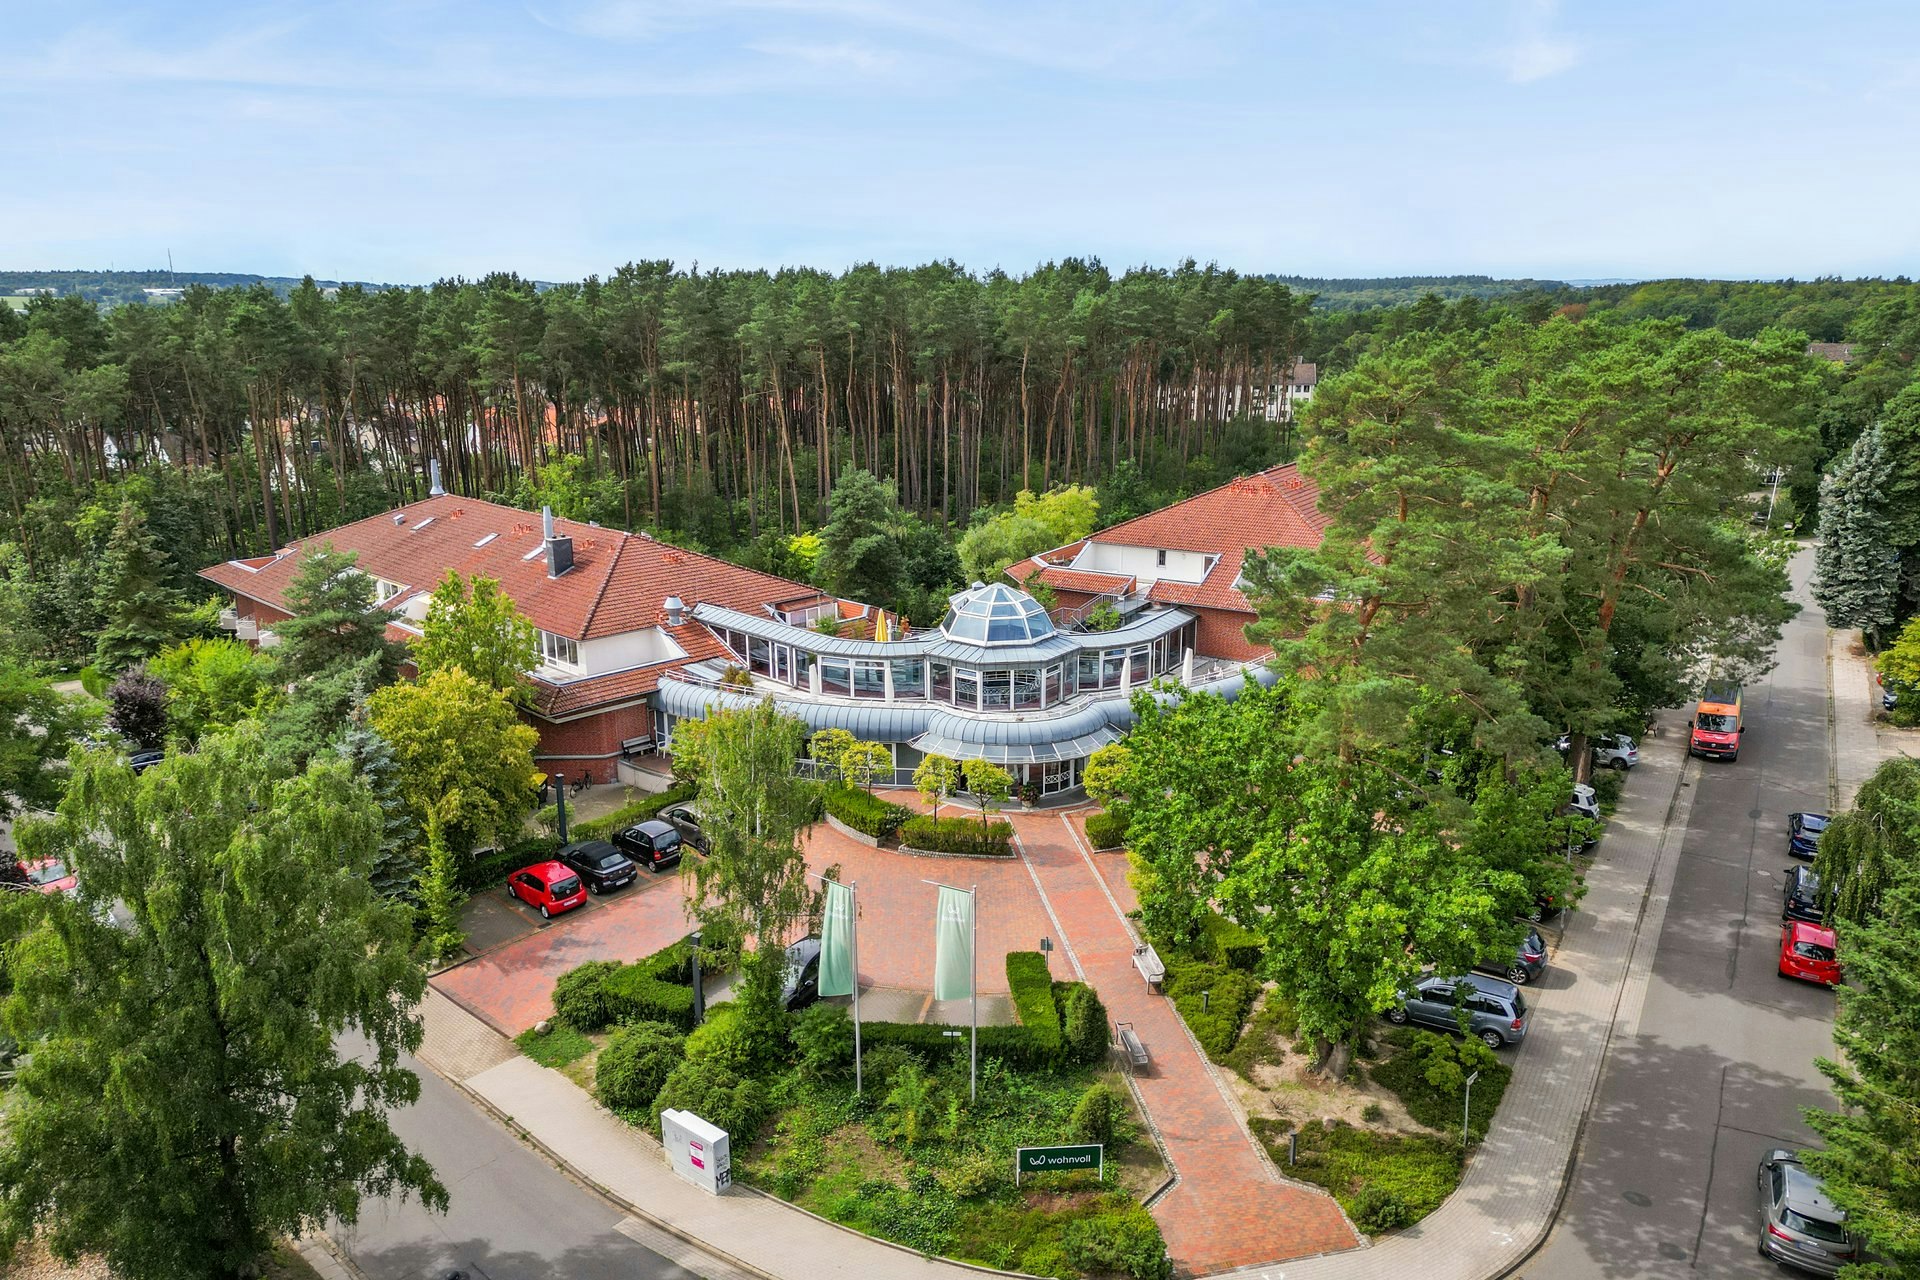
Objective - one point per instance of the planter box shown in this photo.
(872, 842)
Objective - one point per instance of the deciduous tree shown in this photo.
(193, 1107)
(470, 624)
(465, 758)
(935, 778)
(137, 709)
(212, 684)
(42, 727)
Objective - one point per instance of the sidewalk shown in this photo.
(741, 1233)
(1229, 1208)
(1512, 1187)
(1859, 742)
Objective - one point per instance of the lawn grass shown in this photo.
(1438, 1108)
(1266, 1038)
(1382, 1180)
(559, 1048)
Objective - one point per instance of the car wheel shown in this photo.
(544, 913)
(594, 888)
(1492, 1039)
(1517, 974)
(1398, 1017)
(1621, 765)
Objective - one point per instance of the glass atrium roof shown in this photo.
(994, 615)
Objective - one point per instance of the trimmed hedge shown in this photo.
(1083, 1021)
(600, 993)
(491, 870)
(623, 817)
(1214, 1000)
(1228, 943)
(958, 835)
(1025, 1045)
(1108, 830)
(867, 814)
(1031, 987)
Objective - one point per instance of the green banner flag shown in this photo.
(953, 945)
(836, 941)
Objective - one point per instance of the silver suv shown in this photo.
(1798, 1224)
(1496, 1011)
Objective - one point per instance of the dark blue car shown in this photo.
(1803, 833)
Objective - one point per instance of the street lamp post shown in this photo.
(1466, 1110)
(560, 803)
(699, 993)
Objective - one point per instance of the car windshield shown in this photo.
(1519, 1005)
(1812, 951)
(1818, 1228)
(1813, 822)
(48, 873)
(1716, 723)
(1809, 884)
(565, 888)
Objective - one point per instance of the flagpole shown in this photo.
(853, 937)
(973, 998)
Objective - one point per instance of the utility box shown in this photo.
(698, 1151)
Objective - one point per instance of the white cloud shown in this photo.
(1536, 51)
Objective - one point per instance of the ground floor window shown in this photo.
(1052, 777)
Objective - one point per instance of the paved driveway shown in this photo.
(511, 984)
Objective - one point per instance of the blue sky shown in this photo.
(413, 139)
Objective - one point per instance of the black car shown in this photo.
(141, 761)
(1803, 833)
(687, 823)
(653, 844)
(1802, 898)
(802, 985)
(600, 866)
(1524, 964)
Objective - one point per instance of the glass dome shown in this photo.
(998, 614)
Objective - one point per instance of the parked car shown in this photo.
(1889, 699)
(1802, 898)
(1803, 833)
(1798, 1224)
(653, 844)
(1524, 965)
(1585, 802)
(549, 887)
(1809, 952)
(1496, 1011)
(802, 985)
(50, 876)
(1610, 750)
(141, 761)
(600, 865)
(687, 823)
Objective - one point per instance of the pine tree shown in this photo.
(860, 554)
(140, 609)
(1856, 571)
(395, 867)
(335, 619)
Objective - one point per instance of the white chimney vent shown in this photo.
(676, 611)
(433, 479)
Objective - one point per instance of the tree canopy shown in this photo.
(472, 625)
(335, 620)
(465, 759)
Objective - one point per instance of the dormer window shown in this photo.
(384, 591)
(559, 651)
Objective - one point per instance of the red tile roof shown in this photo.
(1278, 507)
(1085, 580)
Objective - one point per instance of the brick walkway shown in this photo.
(1228, 1209)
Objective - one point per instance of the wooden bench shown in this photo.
(1150, 965)
(637, 746)
(1131, 1046)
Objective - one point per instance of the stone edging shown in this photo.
(872, 842)
(1008, 856)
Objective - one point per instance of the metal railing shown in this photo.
(1075, 619)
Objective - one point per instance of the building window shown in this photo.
(996, 690)
(1160, 558)
(1112, 663)
(1052, 688)
(560, 651)
(869, 679)
(836, 676)
(1142, 667)
(942, 684)
(1087, 669)
(1026, 688)
(909, 678)
(759, 656)
(803, 669)
(966, 689)
(783, 664)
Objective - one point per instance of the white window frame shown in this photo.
(558, 650)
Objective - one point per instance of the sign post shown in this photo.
(1059, 1160)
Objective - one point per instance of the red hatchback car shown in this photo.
(1809, 951)
(548, 886)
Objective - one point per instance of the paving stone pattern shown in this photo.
(1228, 1209)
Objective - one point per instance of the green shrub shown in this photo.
(1095, 1115)
(1214, 1001)
(824, 1036)
(1031, 987)
(580, 998)
(881, 1059)
(489, 869)
(635, 994)
(94, 681)
(1013, 1045)
(722, 1040)
(1108, 830)
(1123, 1240)
(1377, 1209)
(958, 835)
(718, 1095)
(1265, 1036)
(1225, 942)
(1083, 1023)
(1373, 1113)
(1383, 1180)
(620, 819)
(1608, 784)
(867, 814)
(1429, 1074)
(1048, 1258)
(631, 1070)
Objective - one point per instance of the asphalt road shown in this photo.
(513, 1216)
(1721, 1061)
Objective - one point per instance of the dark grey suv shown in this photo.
(1496, 1011)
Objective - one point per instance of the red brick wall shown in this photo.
(1064, 599)
(596, 737)
(1222, 634)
